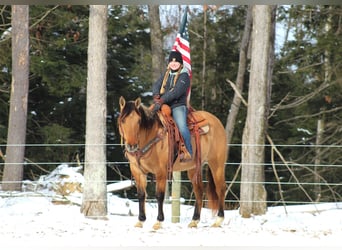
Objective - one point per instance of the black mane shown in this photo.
(148, 118)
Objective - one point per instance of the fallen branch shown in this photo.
(232, 182)
(275, 171)
(292, 173)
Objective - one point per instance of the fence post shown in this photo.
(176, 191)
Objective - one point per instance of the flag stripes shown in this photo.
(182, 45)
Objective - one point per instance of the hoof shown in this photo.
(139, 224)
(218, 222)
(157, 225)
(193, 223)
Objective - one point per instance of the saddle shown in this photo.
(197, 125)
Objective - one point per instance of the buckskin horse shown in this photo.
(147, 149)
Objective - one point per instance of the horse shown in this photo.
(146, 144)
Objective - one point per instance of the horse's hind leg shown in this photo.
(197, 185)
(216, 190)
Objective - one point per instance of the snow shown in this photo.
(35, 219)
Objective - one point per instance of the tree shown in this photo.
(253, 193)
(58, 66)
(235, 106)
(16, 139)
(307, 96)
(158, 64)
(94, 202)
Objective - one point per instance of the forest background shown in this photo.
(305, 109)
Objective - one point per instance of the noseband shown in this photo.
(138, 153)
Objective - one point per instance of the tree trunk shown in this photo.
(253, 193)
(204, 56)
(158, 60)
(321, 120)
(235, 106)
(94, 204)
(16, 138)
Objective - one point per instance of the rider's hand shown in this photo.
(156, 107)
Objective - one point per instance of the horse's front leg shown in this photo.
(160, 196)
(141, 183)
(142, 213)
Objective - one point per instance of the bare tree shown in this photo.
(94, 204)
(16, 138)
(158, 62)
(235, 106)
(253, 193)
(321, 119)
(204, 54)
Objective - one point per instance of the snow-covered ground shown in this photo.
(31, 219)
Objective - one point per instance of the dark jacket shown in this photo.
(175, 94)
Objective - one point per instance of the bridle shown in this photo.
(137, 152)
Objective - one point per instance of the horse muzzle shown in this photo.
(132, 148)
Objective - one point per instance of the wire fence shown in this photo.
(289, 181)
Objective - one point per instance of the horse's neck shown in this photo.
(146, 135)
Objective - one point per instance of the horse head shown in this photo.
(129, 123)
(135, 119)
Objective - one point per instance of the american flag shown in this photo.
(183, 46)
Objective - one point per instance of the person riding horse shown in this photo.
(147, 149)
(171, 89)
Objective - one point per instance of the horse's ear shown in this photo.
(137, 102)
(122, 102)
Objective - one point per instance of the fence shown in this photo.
(286, 181)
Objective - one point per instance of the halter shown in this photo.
(138, 153)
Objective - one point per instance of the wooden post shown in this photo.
(176, 191)
(320, 131)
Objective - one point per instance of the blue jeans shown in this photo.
(179, 114)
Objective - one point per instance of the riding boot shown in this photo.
(185, 155)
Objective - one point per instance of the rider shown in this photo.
(171, 89)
